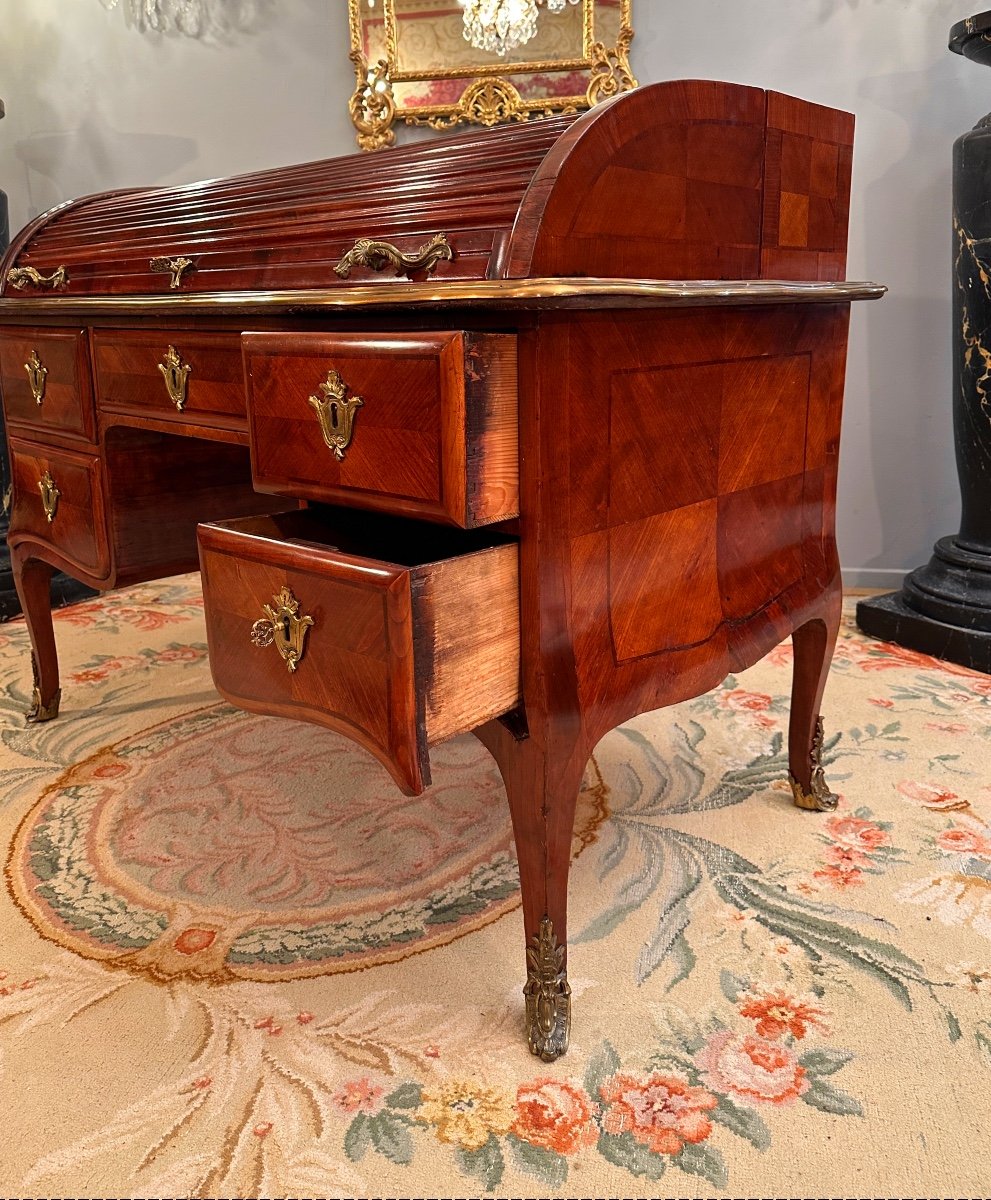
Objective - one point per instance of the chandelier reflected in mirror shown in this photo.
(500, 26)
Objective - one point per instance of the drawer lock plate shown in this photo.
(49, 496)
(37, 374)
(336, 412)
(284, 627)
(176, 374)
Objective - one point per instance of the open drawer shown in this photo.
(395, 633)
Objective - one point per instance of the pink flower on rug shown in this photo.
(778, 1012)
(931, 795)
(847, 857)
(554, 1115)
(81, 614)
(358, 1095)
(304, 1018)
(262, 1130)
(752, 1068)
(269, 1024)
(781, 656)
(964, 841)
(887, 654)
(840, 876)
(180, 654)
(662, 1112)
(881, 702)
(947, 726)
(857, 833)
(146, 619)
(741, 701)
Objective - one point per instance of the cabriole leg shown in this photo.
(813, 645)
(32, 578)
(543, 794)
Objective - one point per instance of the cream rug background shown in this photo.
(219, 976)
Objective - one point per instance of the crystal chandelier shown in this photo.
(500, 26)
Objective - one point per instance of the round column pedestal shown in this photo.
(944, 608)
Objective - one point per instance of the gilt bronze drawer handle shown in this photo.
(20, 277)
(283, 625)
(177, 267)
(49, 496)
(336, 412)
(175, 373)
(37, 374)
(379, 255)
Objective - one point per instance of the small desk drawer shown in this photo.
(417, 424)
(171, 375)
(45, 379)
(406, 634)
(58, 500)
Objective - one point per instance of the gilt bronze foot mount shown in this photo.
(547, 994)
(818, 798)
(38, 710)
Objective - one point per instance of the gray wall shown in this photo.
(93, 103)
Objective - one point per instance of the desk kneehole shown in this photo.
(396, 634)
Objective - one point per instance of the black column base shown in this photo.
(891, 619)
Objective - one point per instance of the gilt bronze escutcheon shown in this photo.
(175, 373)
(49, 496)
(37, 374)
(336, 412)
(284, 627)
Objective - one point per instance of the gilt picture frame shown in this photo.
(413, 65)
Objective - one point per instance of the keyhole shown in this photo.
(285, 628)
(333, 414)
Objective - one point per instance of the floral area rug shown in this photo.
(235, 962)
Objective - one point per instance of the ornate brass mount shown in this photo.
(283, 625)
(37, 374)
(20, 277)
(379, 255)
(175, 373)
(176, 266)
(820, 798)
(336, 412)
(548, 995)
(49, 496)
(41, 712)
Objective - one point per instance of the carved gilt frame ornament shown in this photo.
(492, 92)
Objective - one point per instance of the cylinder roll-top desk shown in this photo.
(522, 432)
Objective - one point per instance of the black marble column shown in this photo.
(944, 608)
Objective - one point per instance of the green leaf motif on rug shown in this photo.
(357, 1139)
(544, 1165)
(706, 1161)
(623, 1150)
(744, 1122)
(486, 1165)
(410, 1095)
(391, 1137)
(826, 1098)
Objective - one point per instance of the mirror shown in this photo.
(414, 63)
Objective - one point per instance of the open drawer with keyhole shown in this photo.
(395, 633)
